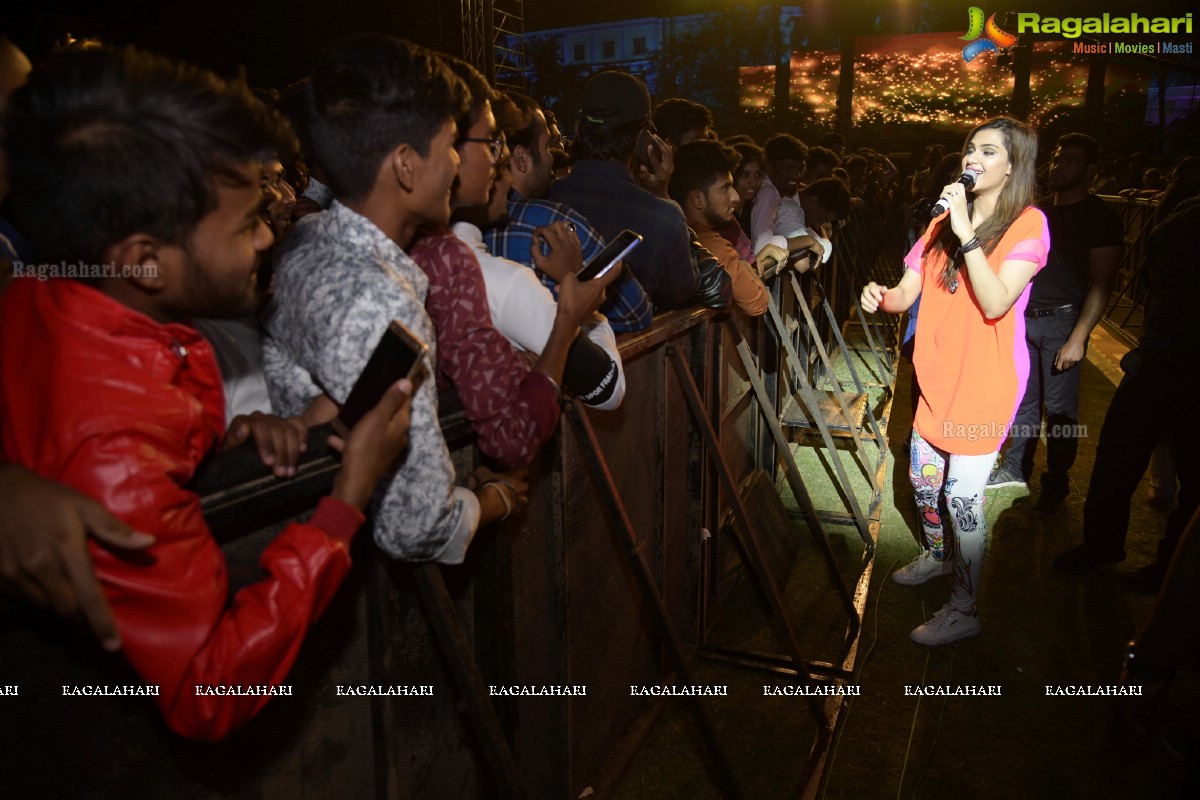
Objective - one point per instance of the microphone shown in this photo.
(967, 179)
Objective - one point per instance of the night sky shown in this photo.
(276, 40)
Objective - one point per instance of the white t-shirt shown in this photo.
(523, 309)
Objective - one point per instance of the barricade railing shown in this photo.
(610, 579)
(870, 251)
(1126, 308)
(548, 601)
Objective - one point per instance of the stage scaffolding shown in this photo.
(493, 40)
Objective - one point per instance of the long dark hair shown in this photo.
(1018, 194)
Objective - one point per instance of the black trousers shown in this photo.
(1058, 392)
(1156, 398)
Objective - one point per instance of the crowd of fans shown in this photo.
(239, 254)
(234, 257)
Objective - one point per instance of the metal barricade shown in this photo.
(612, 577)
(549, 601)
(1126, 309)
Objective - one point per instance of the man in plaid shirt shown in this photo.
(627, 307)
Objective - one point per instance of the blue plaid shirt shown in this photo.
(627, 307)
(605, 193)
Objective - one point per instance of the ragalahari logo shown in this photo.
(984, 36)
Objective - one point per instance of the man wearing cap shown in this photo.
(615, 116)
(524, 125)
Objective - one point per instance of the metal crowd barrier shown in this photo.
(612, 577)
(551, 600)
(1126, 308)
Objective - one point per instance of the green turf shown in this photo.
(1038, 629)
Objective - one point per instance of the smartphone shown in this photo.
(800, 256)
(646, 140)
(399, 354)
(613, 252)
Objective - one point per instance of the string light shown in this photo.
(923, 78)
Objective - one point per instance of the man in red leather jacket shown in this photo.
(147, 218)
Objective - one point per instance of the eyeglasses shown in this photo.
(495, 144)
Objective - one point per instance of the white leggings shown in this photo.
(964, 482)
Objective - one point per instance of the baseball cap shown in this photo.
(613, 97)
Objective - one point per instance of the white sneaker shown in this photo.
(923, 568)
(947, 625)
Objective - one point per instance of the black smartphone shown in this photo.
(800, 256)
(399, 354)
(646, 142)
(612, 253)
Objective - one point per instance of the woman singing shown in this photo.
(972, 269)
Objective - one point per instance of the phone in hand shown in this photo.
(400, 354)
(612, 253)
(798, 258)
(654, 158)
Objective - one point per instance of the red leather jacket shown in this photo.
(104, 399)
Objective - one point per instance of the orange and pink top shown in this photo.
(972, 370)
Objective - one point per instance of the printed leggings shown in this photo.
(964, 482)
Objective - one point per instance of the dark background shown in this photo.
(276, 40)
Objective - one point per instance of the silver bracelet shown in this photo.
(495, 483)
